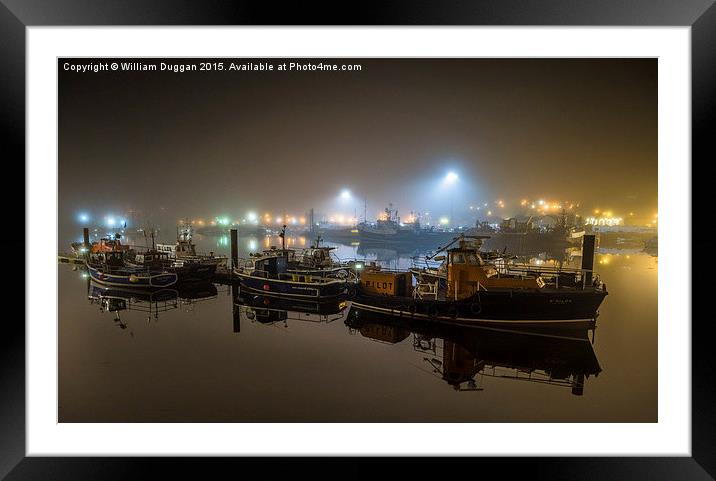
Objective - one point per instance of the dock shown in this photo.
(70, 259)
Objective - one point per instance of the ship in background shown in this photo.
(526, 235)
(388, 229)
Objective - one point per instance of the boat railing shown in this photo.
(566, 276)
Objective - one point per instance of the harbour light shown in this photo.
(451, 177)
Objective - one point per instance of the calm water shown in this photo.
(193, 358)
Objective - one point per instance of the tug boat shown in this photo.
(108, 268)
(480, 292)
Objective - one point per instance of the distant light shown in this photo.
(359, 266)
(345, 194)
(110, 221)
(251, 216)
(83, 217)
(444, 220)
(451, 177)
(489, 212)
(540, 202)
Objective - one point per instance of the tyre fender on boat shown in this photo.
(433, 311)
(452, 311)
(476, 306)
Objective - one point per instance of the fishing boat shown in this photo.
(389, 228)
(184, 250)
(110, 243)
(318, 260)
(189, 268)
(533, 234)
(186, 271)
(109, 268)
(269, 273)
(481, 292)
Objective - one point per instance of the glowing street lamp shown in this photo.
(345, 194)
(451, 177)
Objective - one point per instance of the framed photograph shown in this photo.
(429, 230)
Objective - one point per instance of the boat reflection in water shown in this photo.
(463, 356)
(152, 302)
(271, 310)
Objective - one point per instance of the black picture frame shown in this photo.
(16, 15)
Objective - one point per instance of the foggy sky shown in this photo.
(198, 143)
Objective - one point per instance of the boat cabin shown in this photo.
(270, 266)
(108, 258)
(468, 273)
(317, 257)
(183, 248)
(151, 258)
(108, 244)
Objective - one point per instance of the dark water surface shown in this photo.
(188, 360)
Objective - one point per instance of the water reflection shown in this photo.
(150, 302)
(463, 356)
(216, 355)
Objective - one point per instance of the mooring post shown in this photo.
(235, 308)
(234, 250)
(85, 236)
(588, 242)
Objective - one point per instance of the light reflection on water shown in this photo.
(200, 360)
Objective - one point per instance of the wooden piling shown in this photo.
(234, 250)
(588, 242)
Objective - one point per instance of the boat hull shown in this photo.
(129, 278)
(292, 289)
(525, 307)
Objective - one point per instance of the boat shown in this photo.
(428, 273)
(527, 235)
(388, 229)
(109, 268)
(270, 273)
(110, 243)
(480, 292)
(186, 271)
(184, 250)
(318, 260)
(188, 267)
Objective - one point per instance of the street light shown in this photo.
(345, 194)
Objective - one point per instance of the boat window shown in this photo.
(458, 258)
(472, 259)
